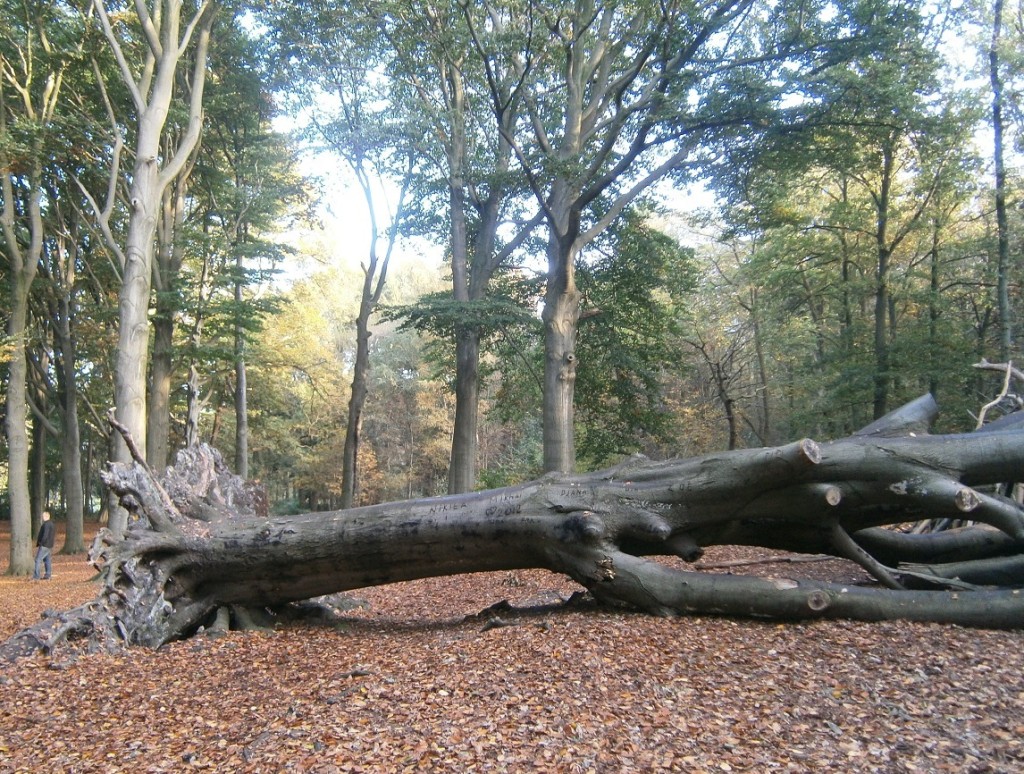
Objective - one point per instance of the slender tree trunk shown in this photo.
(168, 259)
(356, 402)
(375, 274)
(462, 467)
(23, 265)
(815, 311)
(17, 432)
(71, 465)
(763, 389)
(846, 331)
(108, 503)
(241, 387)
(42, 428)
(65, 349)
(1002, 224)
(38, 81)
(37, 467)
(882, 377)
(474, 258)
(215, 425)
(935, 356)
(87, 478)
(195, 405)
(241, 417)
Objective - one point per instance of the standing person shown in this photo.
(44, 547)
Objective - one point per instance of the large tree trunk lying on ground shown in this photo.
(203, 543)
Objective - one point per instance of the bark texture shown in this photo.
(201, 541)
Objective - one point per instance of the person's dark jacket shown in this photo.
(46, 535)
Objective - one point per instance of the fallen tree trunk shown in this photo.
(202, 540)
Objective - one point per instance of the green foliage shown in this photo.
(512, 453)
(635, 289)
(439, 315)
(244, 190)
(298, 391)
(635, 293)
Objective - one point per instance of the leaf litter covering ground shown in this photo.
(415, 681)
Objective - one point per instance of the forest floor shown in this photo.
(414, 680)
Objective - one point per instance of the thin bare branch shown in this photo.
(126, 72)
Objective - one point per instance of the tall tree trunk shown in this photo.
(462, 470)
(475, 258)
(561, 316)
(87, 478)
(470, 282)
(71, 466)
(168, 259)
(37, 77)
(17, 431)
(846, 329)
(241, 387)
(195, 406)
(24, 264)
(356, 402)
(39, 482)
(65, 357)
(462, 465)
(1002, 225)
(882, 376)
(132, 355)
(375, 274)
(42, 428)
(763, 389)
(167, 37)
(241, 416)
(935, 357)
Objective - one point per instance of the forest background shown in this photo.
(343, 242)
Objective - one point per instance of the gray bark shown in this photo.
(35, 77)
(66, 351)
(204, 542)
(476, 259)
(1002, 223)
(168, 259)
(161, 373)
(241, 412)
(462, 470)
(17, 438)
(375, 274)
(357, 398)
(39, 487)
(241, 384)
(882, 377)
(23, 263)
(167, 35)
(561, 316)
